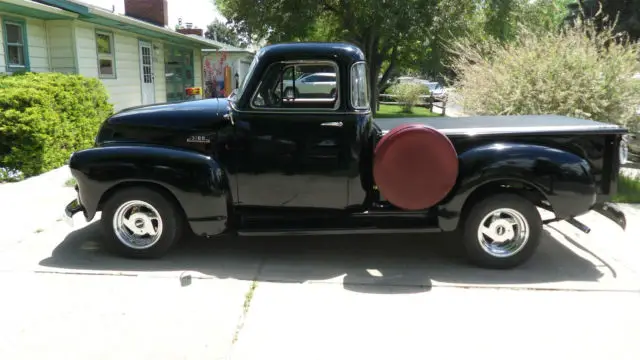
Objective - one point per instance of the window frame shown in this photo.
(351, 86)
(338, 100)
(103, 56)
(22, 24)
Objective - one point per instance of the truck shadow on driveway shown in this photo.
(371, 264)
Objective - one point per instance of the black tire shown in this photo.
(520, 209)
(170, 216)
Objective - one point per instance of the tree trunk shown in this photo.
(373, 85)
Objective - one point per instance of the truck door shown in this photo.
(294, 147)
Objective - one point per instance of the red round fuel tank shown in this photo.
(415, 166)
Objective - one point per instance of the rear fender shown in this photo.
(197, 182)
(563, 179)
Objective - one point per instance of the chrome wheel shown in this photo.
(137, 224)
(503, 232)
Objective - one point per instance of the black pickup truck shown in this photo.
(296, 151)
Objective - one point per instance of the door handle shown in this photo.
(229, 118)
(333, 123)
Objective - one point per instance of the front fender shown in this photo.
(197, 182)
(564, 179)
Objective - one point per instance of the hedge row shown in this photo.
(44, 117)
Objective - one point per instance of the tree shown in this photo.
(387, 31)
(560, 72)
(219, 31)
(624, 15)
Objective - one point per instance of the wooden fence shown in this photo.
(427, 101)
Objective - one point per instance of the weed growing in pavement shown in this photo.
(245, 309)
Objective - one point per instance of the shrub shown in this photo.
(628, 189)
(44, 117)
(408, 94)
(575, 72)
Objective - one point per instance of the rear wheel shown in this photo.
(140, 223)
(502, 231)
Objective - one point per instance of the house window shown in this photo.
(16, 49)
(106, 55)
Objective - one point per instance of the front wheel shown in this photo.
(140, 223)
(502, 231)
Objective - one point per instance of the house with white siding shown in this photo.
(137, 57)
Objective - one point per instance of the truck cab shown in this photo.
(296, 151)
(299, 142)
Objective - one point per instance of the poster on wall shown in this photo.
(215, 75)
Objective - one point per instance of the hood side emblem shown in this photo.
(200, 139)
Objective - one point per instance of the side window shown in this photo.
(106, 55)
(308, 85)
(359, 86)
(17, 53)
(309, 79)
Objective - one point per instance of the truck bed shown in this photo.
(506, 124)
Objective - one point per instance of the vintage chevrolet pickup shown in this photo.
(266, 161)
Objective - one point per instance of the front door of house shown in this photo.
(146, 71)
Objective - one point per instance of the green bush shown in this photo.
(575, 72)
(408, 94)
(44, 117)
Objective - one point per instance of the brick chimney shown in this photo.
(152, 11)
(190, 30)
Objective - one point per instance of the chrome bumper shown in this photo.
(71, 209)
(612, 212)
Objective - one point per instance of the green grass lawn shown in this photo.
(628, 190)
(395, 111)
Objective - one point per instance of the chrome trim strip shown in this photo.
(517, 129)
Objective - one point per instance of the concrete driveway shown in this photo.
(317, 298)
(375, 297)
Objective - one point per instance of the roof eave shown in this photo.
(40, 7)
(142, 24)
(237, 51)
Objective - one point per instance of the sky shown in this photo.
(198, 12)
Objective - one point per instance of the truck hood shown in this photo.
(187, 115)
(191, 125)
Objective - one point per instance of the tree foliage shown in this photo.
(479, 21)
(220, 31)
(622, 15)
(576, 72)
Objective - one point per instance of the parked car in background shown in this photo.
(436, 89)
(316, 84)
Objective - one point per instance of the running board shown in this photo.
(352, 231)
